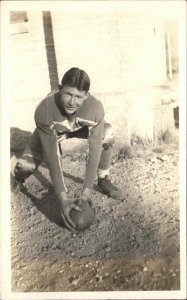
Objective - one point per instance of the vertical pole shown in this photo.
(50, 50)
(168, 55)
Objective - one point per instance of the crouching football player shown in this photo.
(68, 113)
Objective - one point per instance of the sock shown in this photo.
(102, 173)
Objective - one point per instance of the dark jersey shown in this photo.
(53, 125)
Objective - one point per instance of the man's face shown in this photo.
(71, 99)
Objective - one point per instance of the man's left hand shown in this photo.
(86, 196)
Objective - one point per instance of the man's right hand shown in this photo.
(66, 206)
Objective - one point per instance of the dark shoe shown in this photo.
(16, 185)
(106, 187)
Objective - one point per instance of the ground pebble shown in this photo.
(163, 158)
(32, 210)
(108, 249)
(153, 160)
(99, 278)
(75, 282)
(145, 269)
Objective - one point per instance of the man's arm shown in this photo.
(51, 149)
(50, 146)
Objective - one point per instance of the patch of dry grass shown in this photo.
(144, 141)
(125, 152)
(164, 140)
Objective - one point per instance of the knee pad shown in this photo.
(108, 143)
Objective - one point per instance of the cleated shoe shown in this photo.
(106, 187)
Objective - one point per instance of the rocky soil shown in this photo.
(132, 245)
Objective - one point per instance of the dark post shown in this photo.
(50, 49)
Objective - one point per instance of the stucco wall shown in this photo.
(124, 54)
(119, 51)
(29, 79)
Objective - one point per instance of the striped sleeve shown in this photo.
(44, 123)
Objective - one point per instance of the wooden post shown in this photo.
(50, 50)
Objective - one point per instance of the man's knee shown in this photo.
(108, 139)
(24, 168)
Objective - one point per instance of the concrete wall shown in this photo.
(119, 51)
(29, 79)
(124, 54)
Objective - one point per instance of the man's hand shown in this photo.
(66, 207)
(86, 196)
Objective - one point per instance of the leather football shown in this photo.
(82, 219)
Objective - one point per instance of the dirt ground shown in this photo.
(132, 244)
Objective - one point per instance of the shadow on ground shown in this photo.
(48, 203)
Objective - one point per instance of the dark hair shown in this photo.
(75, 77)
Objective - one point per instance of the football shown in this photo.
(82, 219)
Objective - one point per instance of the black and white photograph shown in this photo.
(93, 137)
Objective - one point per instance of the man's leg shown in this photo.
(104, 183)
(30, 159)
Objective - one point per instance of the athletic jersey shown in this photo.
(53, 125)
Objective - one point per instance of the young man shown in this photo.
(70, 112)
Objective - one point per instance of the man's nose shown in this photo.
(72, 101)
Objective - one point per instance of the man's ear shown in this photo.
(87, 94)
